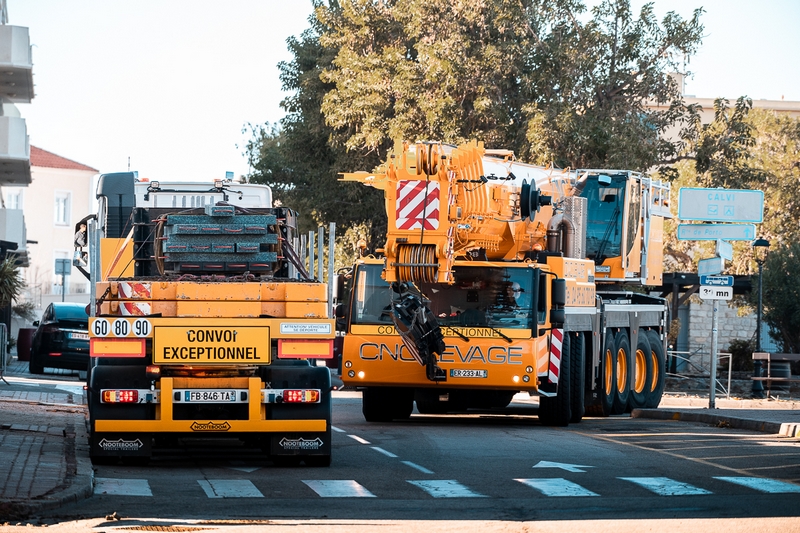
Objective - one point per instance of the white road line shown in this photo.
(358, 439)
(445, 488)
(664, 486)
(384, 452)
(557, 487)
(338, 488)
(338, 430)
(122, 487)
(229, 488)
(772, 486)
(418, 467)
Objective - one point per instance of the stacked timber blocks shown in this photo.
(220, 241)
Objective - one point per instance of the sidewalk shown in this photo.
(44, 459)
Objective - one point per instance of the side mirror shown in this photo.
(558, 292)
(558, 317)
(36, 323)
(340, 312)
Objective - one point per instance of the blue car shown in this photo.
(61, 339)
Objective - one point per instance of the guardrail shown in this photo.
(702, 372)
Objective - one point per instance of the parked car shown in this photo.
(61, 339)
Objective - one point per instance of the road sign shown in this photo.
(63, 267)
(711, 266)
(719, 281)
(715, 293)
(725, 250)
(713, 232)
(721, 205)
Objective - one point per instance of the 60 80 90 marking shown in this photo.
(120, 327)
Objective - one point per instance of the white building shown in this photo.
(59, 195)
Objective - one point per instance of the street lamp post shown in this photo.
(760, 252)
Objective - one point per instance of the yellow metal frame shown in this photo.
(165, 423)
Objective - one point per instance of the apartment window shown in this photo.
(62, 214)
(13, 199)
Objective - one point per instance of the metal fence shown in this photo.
(683, 365)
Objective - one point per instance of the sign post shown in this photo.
(62, 269)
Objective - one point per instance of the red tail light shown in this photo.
(120, 396)
(300, 396)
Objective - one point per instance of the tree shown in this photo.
(781, 291)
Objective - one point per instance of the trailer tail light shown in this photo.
(152, 371)
(120, 396)
(301, 396)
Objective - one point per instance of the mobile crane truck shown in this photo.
(202, 322)
(500, 277)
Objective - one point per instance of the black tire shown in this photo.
(605, 380)
(34, 366)
(555, 410)
(317, 461)
(577, 356)
(642, 372)
(659, 370)
(622, 369)
(384, 404)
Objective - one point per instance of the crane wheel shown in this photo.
(642, 372)
(622, 372)
(659, 370)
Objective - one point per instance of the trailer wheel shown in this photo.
(555, 410)
(577, 377)
(384, 404)
(642, 372)
(622, 372)
(317, 461)
(659, 370)
(605, 380)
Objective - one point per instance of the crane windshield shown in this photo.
(604, 222)
(494, 297)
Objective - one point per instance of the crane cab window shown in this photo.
(605, 209)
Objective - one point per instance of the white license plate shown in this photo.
(210, 396)
(81, 336)
(468, 373)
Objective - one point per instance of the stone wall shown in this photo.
(730, 327)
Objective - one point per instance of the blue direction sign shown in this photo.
(721, 205)
(713, 232)
(711, 266)
(718, 281)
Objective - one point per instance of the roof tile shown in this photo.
(43, 158)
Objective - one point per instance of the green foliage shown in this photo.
(11, 283)
(742, 354)
(25, 310)
(781, 296)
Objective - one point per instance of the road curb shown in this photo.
(720, 420)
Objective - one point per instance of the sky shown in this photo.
(169, 85)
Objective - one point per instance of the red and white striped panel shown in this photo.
(134, 291)
(417, 204)
(556, 342)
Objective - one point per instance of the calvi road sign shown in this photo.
(708, 292)
(721, 205)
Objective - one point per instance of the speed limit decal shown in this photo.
(120, 327)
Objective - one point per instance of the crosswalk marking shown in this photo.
(771, 486)
(557, 487)
(439, 488)
(338, 488)
(124, 487)
(229, 488)
(445, 488)
(664, 486)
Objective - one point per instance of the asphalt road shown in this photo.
(474, 468)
